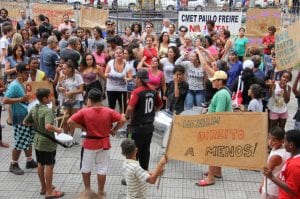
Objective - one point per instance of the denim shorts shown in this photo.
(76, 105)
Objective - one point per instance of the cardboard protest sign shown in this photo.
(13, 9)
(54, 12)
(31, 88)
(196, 21)
(287, 46)
(91, 17)
(257, 23)
(221, 139)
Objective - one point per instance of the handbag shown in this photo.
(237, 98)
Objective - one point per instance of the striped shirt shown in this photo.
(136, 178)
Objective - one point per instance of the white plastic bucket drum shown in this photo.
(35, 102)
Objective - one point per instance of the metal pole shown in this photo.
(117, 17)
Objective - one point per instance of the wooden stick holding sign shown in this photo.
(165, 154)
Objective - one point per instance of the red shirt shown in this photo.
(290, 174)
(269, 39)
(98, 122)
(149, 53)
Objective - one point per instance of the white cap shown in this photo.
(248, 64)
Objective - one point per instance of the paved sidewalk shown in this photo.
(178, 180)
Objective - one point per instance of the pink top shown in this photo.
(155, 81)
(63, 25)
(100, 59)
(213, 50)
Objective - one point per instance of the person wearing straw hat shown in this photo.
(141, 109)
(221, 102)
(42, 119)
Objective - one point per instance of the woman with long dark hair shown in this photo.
(18, 56)
(70, 89)
(164, 41)
(91, 74)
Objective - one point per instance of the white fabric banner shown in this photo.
(196, 21)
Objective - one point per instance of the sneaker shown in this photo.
(74, 143)
(15, 169)
(31, 164)
(123, 182)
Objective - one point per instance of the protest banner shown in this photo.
(257, 23)
(196, 21)
(13, 9)
(31, 88)
(54, 12)
(287, 47)
(232, 139)
(91, 17)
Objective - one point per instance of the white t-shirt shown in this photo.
(115, 80)
(272, 188)
(71, 84)
(255, 105)
(136, 179)
(3, 45)
(168, 69)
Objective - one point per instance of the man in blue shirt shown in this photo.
(257, 72)
(49, 57)
(235, 68)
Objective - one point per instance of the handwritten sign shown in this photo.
(258, 20)
(54, 12)
(220, 139)
(196, 21)
(32, 87)
(91, 17)
(287, 46)
(13, 9)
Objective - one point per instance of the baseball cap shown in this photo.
(72, 20)
(143, 75)
(219, 75)
(248, 64)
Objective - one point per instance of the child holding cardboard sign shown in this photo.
(276, 160)
(288, 181)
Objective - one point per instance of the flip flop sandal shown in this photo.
(43, 192)
(206, 174)
(8, 123)
(204, 183)
(57, 194)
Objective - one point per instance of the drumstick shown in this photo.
(122, 103)
(62, 120)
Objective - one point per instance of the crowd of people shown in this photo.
(138, 72)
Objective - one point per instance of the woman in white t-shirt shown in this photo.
(70, 91)
(117, 72)
(168, 63)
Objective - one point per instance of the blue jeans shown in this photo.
(297, 125)
(194, 98)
